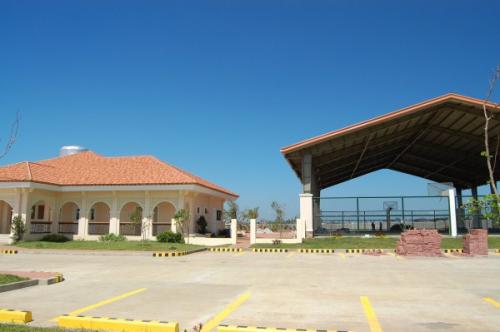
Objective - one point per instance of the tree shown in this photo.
(251, 213)
(136, 219)
(14, 129)
(279, 210)
(488, 115)
(182, 221)
(231, 211)
(18, 228)
(490, 203)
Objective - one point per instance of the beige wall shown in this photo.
(5, 217)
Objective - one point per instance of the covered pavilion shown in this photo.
(440, 139)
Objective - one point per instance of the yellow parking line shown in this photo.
(342, 255)
(241, 253)
(214, 322)
(103, 303)
(491, 301)
(370, 315)
(293, 253)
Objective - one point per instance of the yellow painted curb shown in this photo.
(274, 250)
(234, 328)
(8, 252)
(170, 254)
(15, 316)
(450, 251)
(226, 249)
(116, 324)
(365, 251)
(317, 251)
(497, 251)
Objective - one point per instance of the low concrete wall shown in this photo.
(209, 241)
(284, 241)
(299, 236)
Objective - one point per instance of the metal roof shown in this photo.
(440, 139)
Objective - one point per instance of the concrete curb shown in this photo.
(9, 252)
(115, 324)
(19, 285)
(15, 316)
(452, 251)
(225, 249)
(269, 250)
(177, 253)
(32, 282)
(316, 251)
(234, 328)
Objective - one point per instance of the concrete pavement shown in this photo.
(319, 291)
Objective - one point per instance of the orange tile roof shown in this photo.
(91, 169)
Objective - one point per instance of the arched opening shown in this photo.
(129, 226)
(5, 217)
(99, 217)
(162, 217)
(68, 218)
(40, 221)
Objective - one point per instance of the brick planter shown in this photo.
(476, 242)
(419, 242)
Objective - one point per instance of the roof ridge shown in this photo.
(411, 108)
(30, 176)
(70, 155)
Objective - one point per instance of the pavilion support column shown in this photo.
(476, 219)
(309, 207)
(453, 212)
(460, 209)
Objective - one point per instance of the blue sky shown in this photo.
(218, 87)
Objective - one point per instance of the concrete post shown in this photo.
(453, 212)
(301, 229)
(253, 231)
(234, 231)
(307, 213)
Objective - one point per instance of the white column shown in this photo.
(453, 212)
(301, 229)
(83, 222)
(253, 231)
(306, 212)
(147, 219)
(114, 222)
(234, 231)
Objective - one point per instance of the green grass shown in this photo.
(24, 328)
(97, 245)
(8, 279)
(356, 242)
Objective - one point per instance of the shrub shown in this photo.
(112, 238)
(169, 237)
(18, 228)
(55, 238)
(202, 225)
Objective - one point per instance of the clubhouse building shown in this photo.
(84, 195)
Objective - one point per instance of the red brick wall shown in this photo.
(419, 242)
(476, 242)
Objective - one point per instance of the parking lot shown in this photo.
(314, 291)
